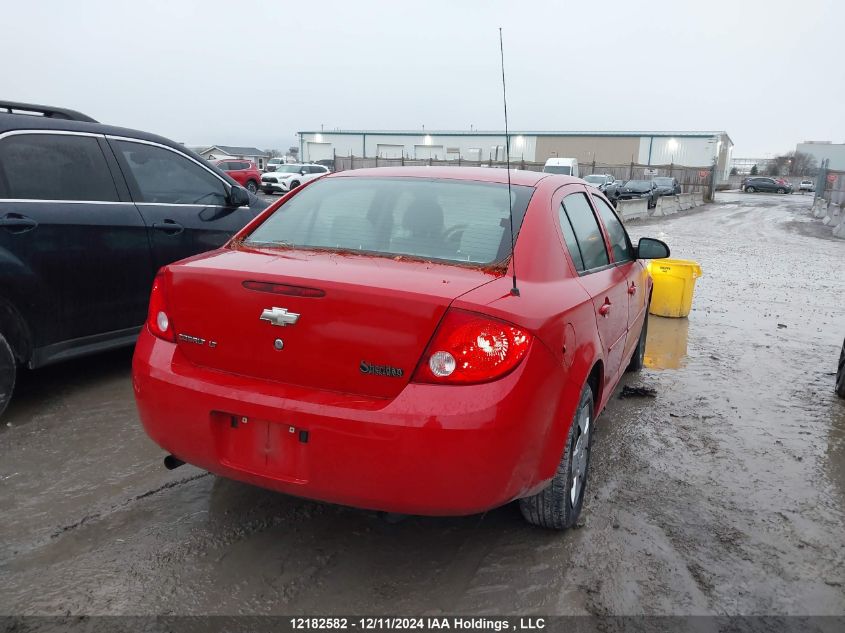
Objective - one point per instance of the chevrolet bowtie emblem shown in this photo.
(279, 316)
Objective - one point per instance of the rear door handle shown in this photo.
(17, 223)
(605, 309)
(632, 289)
(169, 226)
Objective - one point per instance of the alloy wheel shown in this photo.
(580, 455)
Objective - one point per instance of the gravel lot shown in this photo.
(721, 495)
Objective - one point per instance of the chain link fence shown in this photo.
(691, 179)
(834, 187)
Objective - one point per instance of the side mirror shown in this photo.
(238, 196)
(649, 248)
(302, 172)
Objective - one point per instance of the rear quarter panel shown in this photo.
(556, 308)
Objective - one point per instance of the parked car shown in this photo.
(612, 190)
(840, 374)
(667, 186)
(565, 166)
(243, 172)
(765, 183)
(599, 181)
(365, 342)
(273, 164)
(807, 185)
(88, 214)
(287, 177)
(638, 189)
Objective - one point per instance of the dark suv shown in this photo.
(88, 214)
(764, 183)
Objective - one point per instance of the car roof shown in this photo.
(482, 174)
(10, 122)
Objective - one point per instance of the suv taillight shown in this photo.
(158, 320)
(470, 348)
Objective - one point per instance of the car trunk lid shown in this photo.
(333, 321)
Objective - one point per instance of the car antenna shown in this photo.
(514, 290)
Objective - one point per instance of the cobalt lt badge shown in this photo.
(279, 316)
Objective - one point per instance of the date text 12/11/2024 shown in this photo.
(417, 623)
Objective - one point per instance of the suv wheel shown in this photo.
(781, 190)
(294, 184)
(749, 190)
(558, 506)
(8, 373)
(251, 186)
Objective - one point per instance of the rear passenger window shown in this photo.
(619, 243)
(585, 228)
(569, 237)
(54, 167)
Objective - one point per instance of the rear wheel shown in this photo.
(8, 373)
(251, 186)
(638, 358)
(558, 506)
(749, 190)
(840, 374)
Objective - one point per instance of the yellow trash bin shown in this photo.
(674, 283)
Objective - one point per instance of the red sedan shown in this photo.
(364, 341)
(243, 172)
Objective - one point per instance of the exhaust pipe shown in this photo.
(171, 462)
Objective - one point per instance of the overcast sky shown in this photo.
(243, 72)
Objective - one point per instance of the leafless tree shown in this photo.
(793, 164)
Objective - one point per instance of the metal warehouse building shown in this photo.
(825, 150)
(698, 149)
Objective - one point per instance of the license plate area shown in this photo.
(261, 447)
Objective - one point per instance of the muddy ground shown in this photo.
(721, 495)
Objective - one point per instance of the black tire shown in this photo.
(553, 507)
(8, 373)
(267, 191)
(638, 359)
(749, 190)
(781, 190)
(294, 184)
(251, 186)
(840, 374)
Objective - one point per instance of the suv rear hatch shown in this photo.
(363, 322)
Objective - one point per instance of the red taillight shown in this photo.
(471, 348)
(158, 319)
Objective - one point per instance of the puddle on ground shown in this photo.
(666, 345)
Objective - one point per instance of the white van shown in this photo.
(565, 166)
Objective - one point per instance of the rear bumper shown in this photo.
(438, 450)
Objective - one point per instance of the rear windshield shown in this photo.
(638, 184)
(598, 179)
(566, 170)
(453, 220)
